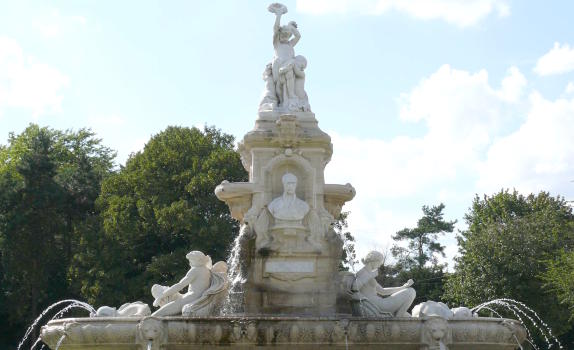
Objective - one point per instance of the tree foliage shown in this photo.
(417, 261)
(559, 277)
(349, 257)
(504, 253)
(49, 181)
(157, 208)
(422, 240)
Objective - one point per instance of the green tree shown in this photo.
(559, 277)
(417, 261)
(44, 201)
(349, 257)
(505, 250)
(157, 208)
(422, 240)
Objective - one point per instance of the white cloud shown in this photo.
(462, 13)
(559, 60)
(539, 156)
(54, 24)
(26, 83)
(512, 85)
(480, 138)
(569, 88)
(462, 112)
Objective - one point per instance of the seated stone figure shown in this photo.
(288, 208)
(212, 298)
(204, 283)
(371, 299)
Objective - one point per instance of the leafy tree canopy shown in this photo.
(349, 257)
(49, 180)
(157, 208)
(422, 240)
(422, 246)
(559, 277)
(504, 253)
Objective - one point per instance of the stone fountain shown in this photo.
(292, 292)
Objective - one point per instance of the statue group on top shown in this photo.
(285, 76)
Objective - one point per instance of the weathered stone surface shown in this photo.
(178, 333)
(293, 262)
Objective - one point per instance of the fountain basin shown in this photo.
(264, 332)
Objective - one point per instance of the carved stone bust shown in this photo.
(287, 207)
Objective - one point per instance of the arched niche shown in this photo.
(298, 166)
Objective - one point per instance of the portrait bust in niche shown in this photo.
(288, 207)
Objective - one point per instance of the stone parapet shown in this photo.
(265, 332)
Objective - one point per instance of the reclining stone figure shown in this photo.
(207, 287)
(370, 299)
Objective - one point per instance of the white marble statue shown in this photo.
(374, 300)
(212, 298)
(135, 309)
(287, 70)
(288, 208)
(205, 286)
(434, 308)
(269, 99)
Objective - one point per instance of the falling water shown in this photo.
(521, 311)
(517, 313)
(234, 302)
(34, 325)
(60, 341)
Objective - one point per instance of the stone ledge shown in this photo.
(263, 332)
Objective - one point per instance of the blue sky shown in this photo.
(426, 101)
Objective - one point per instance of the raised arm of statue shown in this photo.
(278, 10)
(276, 28)
(295, 32)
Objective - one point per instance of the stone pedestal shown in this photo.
(294, 264)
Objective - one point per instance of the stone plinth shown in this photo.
(178, 333)
(293, 262)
